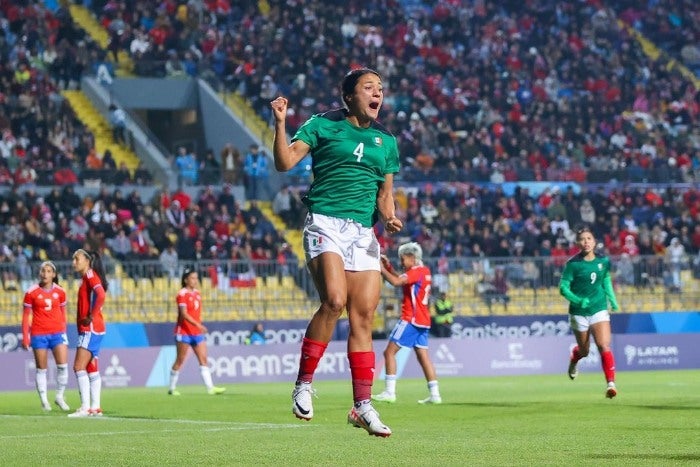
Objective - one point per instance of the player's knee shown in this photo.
(333, 305)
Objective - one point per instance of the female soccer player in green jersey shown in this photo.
(354, 160)
(587, 285)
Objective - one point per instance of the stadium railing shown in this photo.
(144, 291)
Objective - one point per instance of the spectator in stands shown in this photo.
(186, 164)
(209, 169)
(412, 330)
(675, 261)
(257, 173)
(282, 205)
(587, 285)
(231, 164)
(345, 268)
(117, 120)
(495, 289)
(257, 335)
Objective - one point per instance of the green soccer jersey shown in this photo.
(587, 285)
(349, 163)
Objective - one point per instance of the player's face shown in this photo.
(407, 261)
(368, 97)
(192, 280)
(80, 263)
(46, 275)
(586, 242)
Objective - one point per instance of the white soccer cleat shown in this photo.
(45, 406)
(611, 391)
(368, 420)
(384, 397)
(431, 400)
(302, 406)
(215, 391)
(572, 371)
(80, 413)
(61, 403)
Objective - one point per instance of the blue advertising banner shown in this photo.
(227, 333)
(150, 366)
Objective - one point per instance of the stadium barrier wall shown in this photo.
(227, 333)
(150, 366)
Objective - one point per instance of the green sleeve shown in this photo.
(610, 292)
(565, 286)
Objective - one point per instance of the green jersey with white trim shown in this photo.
(586, 280)
(349, 163)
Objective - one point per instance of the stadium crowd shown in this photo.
(477, 92)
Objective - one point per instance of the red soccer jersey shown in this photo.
(191, 301)
(91, 297)
(416, 294)
(48, 310)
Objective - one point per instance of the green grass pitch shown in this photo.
(526, 420)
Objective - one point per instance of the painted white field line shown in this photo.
(207, 425)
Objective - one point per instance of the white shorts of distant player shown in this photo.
(356, 244)
(582, 323)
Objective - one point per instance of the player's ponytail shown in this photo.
(96, 265)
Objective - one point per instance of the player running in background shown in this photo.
(412, 329)
(354, 160)
(587, 285)
(91, 330)
(189, 332)
(44, 318)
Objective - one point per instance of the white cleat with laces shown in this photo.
(302, 405)
(368, 419)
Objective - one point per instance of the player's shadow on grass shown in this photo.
(668, 407)
(652, 456)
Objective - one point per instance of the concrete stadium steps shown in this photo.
(250, 118)
(100, 127)
(84, 17)
(292, 236)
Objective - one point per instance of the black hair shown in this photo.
(582, 229)
(347, 87)
(185, 274)
(95, 262)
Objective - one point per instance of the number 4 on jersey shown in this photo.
(359, 151)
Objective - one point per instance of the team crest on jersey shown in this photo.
(600, 266)
(378, 141)
(55, 296)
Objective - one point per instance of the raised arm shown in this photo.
(286, 156)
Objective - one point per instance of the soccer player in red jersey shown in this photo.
(91, 330)
(44, 319)
(412, 329)
(189, 332)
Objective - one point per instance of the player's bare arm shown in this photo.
(286, 156)
(386, 207)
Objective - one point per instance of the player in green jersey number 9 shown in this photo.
(587, 285)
